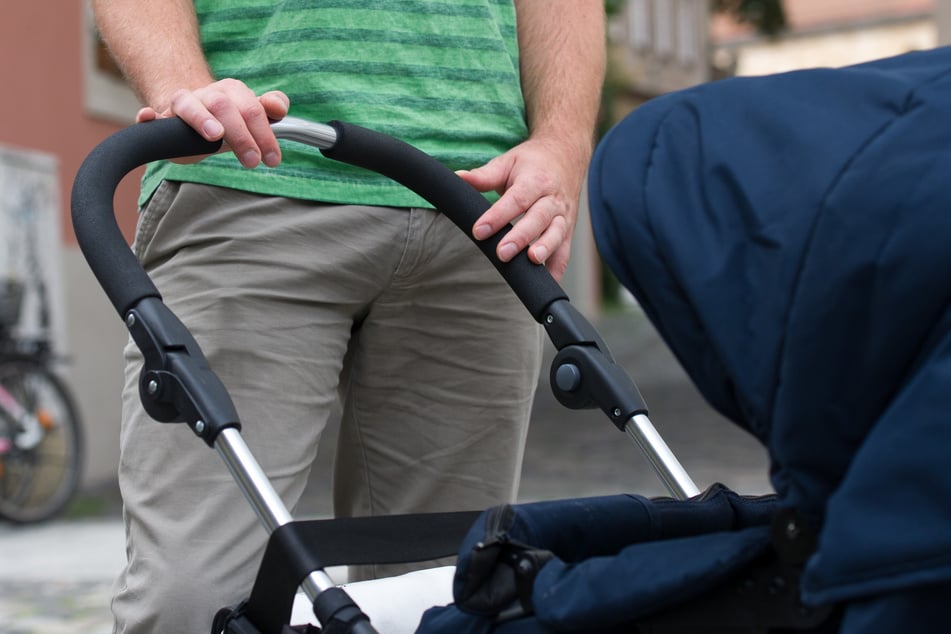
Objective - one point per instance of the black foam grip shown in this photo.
(94, 221)
(452, 196)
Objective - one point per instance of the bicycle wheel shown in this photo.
(37, 481)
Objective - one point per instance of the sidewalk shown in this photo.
(56, 578)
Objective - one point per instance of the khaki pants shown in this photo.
(296, 304)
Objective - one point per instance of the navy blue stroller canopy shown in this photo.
(790, 238)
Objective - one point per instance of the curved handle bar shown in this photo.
(123, 279)
(452, 196)
(114, 265)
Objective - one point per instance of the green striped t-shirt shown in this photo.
(440, 75)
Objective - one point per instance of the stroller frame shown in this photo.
(177, 384)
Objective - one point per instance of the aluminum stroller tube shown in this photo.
(661, 458)
(263, 498)
(318, 135)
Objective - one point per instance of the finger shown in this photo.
(246, 128)
(247, 120)
(263, 144)
(493, 176)
(513, 203)
(550, 242)
(189, 108)
(557, 264)
(506, 209)
(239, 123)
(539, 225)
(270, 107)
(276, 104)
(146, 114)
(535, 199)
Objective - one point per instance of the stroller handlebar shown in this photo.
(102, 243)
(178, 385)
(452, 196)
(124, 281)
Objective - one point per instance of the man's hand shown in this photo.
(230, 111)
(561, 62)
(537, 183)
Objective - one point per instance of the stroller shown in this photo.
(177, 384)
(788, 237)
(782, 233)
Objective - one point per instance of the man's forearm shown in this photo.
(158, 47)
(563, 50)
(156, 44)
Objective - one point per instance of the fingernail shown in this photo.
(271, 159)
(541, 253)
(212, 129)
(250, 158)
(507, 251)
(482, 232)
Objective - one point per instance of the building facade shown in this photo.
(664, 45)
(58, 104)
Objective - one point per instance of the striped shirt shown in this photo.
(441, 75)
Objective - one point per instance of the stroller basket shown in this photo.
(177, 384)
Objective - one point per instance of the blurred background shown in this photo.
(63, 95)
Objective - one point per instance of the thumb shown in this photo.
(146, 114)
(491, 176)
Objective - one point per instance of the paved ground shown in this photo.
(56, 577)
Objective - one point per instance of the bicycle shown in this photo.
(41, 436)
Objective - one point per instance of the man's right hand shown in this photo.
(230, 111)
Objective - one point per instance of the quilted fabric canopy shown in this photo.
(790, 236)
